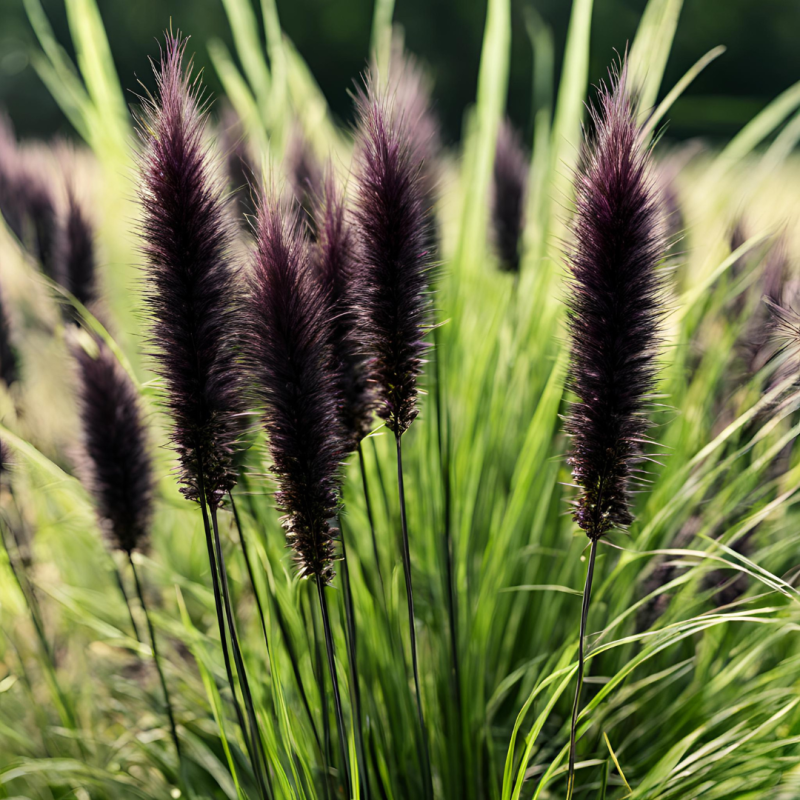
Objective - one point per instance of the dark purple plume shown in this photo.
(9, 365)
(41, 219)
(305, 173)
(76, 260)
(288, 341)
(194, 300)
(240, 167)
(509, 191)
(411, 89)
(335, 268)
(11, 198)
(614, 311)
(394, 254)
(115, 465)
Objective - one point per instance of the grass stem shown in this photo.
(337, 697)
(587, 593)
(156, 658)
(426, 759)
(124, 593)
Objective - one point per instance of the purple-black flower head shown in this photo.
(615, 309)
(289, 349)
(115, 466)
(410, 88)
(393, 239)
(336, 269)
(239, 165)
(11, 192)
(76, 260)
(9, 363)
(193, 283)
(305, 173)
(509, 191)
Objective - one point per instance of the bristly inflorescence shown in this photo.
(410, 88)
(394, 254)
(76, 268)
(115, 461)
(509, 191)
(335, 268)
(193, 295)
(9, 366)
(615, 309)
(305, 173)
(289, 349)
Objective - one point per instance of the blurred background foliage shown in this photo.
(762, 58)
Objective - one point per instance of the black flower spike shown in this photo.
(193, 297)
(411, 89)
(116, 465)
(42, 220)
(615, 308)
(335, 268)
(509, 190)
(289, 335)
(11, 197)
(305, 173)
(9, 364)
(240, 167)
(77, 265)
(393, 248)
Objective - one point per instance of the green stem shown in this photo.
(156, 658)
(587, 593)
(258, 745)
(124, 593)
(426, 758)
(370, 518)
(337, 697)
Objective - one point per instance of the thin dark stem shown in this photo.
(337, 697)
(258, 745)
(587, 593)
(251, 575)
(370, 518)
(156, 659)
(224, 641)
(352, 654)
(426, 758)
(319, 673)
(124, 593)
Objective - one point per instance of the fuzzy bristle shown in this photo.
(411, 90)
(335, 267)
(615, 308)
(289, 347)
(509, 190)
(305, 173)
(193, 295)
(394, 254)
(9, 366)
(116, 465)
(239, 165)
(76, 261)
(11, 195)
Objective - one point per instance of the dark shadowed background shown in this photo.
(763, 56)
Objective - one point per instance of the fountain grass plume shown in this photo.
(116, 465)
(336, 269)
(509, 191)
(76, 260)
(193, 299)
(9, 362)
(393, 237)
(615, 310)
(305, 173)
(289, 348)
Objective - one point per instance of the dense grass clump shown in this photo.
(391, 587)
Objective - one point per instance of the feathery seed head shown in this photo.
(614, 311)
(9, 367)
(193, 300)
(289, 349)
(305, 173)
(335, 268)
(509, 189)
(393, 233)
(115, 464)
(76, 263)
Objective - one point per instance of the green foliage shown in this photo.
(693, 650)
